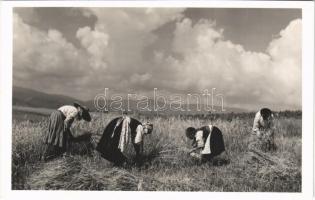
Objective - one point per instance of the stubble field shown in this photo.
(166, 165)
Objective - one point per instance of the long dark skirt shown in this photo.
(108, 145)
(111, 151)
(56, 138)
(216, 144)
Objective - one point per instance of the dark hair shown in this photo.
(190, 132)
(265, 113)
(149, 126)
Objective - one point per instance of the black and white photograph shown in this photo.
(180, 99)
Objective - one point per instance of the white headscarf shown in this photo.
(125, 133)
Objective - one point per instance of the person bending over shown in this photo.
(207, 142)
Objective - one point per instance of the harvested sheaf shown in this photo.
(73, 174)
(273, 171)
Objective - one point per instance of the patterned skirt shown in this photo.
(56, 134)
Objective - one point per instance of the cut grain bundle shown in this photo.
(283, 178)
(55, 175)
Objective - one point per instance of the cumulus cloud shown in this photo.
(127, 31)
(111, 53)
(115, 54)
(44, 60)
(285, 53)
(246, 78)
(96, 44)
(119, 40)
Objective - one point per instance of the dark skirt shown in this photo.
(111, 152)
(56, 135)
(108, 144)
(216, 143)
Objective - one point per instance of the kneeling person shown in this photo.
(207, 142)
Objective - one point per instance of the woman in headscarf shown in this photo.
(58, 136)
(118, 134)
(207, 142)
(263, 130)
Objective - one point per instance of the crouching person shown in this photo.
(207, 142)
(117, 137)
(263, 131)
(59, 135)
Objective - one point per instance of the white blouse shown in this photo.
(201, 143)
(70, 112)
(260, 123)
(139, 134)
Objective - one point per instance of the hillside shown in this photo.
(31, 98)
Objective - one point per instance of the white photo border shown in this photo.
(6, 101)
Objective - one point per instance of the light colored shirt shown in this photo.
(261, 124)
(206, 149)
(70, 112)
(139, 134)
(199, 139)
(201, 143)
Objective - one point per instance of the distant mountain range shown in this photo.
(32, 98)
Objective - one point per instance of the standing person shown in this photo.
(207, 142)
(118, 134)
(263, 130)
(59, 134)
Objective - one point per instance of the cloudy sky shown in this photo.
(251, 56)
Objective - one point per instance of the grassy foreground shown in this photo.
(166, 165)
